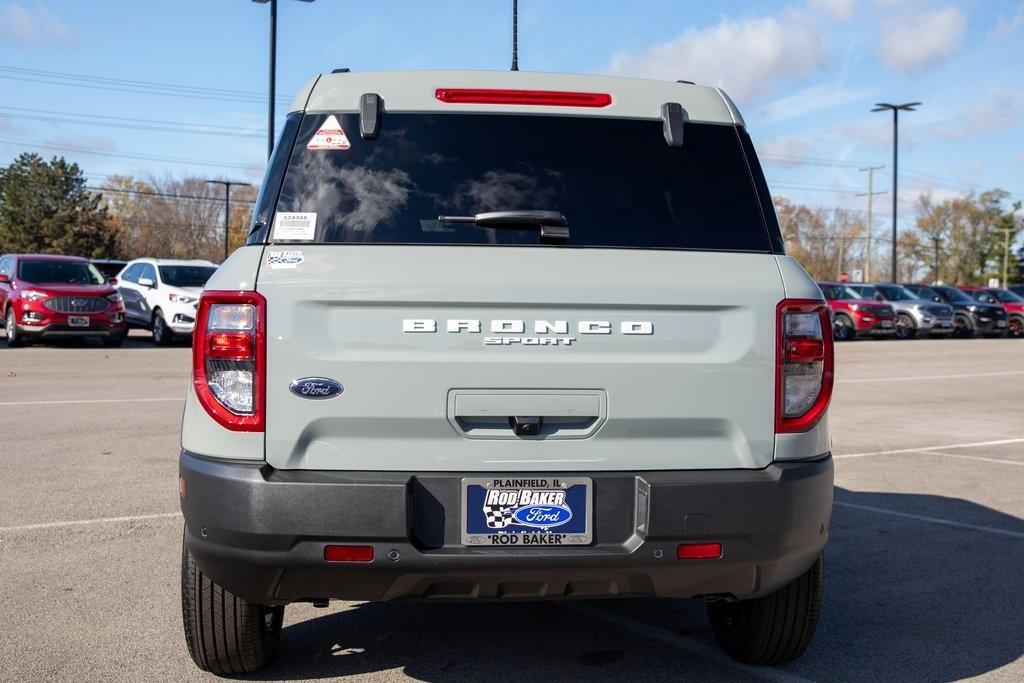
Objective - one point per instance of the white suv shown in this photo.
(161, 295)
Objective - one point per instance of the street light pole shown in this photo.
(273, 70)
(896, 109)
(227, 208)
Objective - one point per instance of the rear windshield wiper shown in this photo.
(551, 224)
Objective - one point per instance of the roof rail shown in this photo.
(344, 70)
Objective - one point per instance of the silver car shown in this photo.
(913, 314)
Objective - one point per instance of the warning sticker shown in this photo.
(294, 226)
(330, 136)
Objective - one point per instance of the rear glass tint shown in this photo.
(615, 180)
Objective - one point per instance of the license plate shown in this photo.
(527, 511)
(886, 323)
(78, 321)
(1000, 323)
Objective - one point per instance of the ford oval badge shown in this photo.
(542, 516)
(318, 388)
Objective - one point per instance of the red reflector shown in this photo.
(804, 350)
(229, 345)
(699, 551)
(553, 98)
(348, 553)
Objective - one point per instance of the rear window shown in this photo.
(59, 272)
(616, 181)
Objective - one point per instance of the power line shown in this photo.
(165, 195)
(125, 155)
(134, 86)
(124, 122)
(811, 161)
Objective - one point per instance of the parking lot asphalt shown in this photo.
(924, 571)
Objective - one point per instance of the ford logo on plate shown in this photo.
(542, 516)
(316, 387)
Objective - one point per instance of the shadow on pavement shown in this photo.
(905, 600)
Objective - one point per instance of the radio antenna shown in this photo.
(515, 35)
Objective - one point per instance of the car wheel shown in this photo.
(905, 327)
(843, 328)
(1015, 326)
(224, 633)
(774, 629)
(162, 335)
(13, 338)
(962, 327)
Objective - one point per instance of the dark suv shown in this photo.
(972, 317)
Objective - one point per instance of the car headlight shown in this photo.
(33, 295)
(182, 299)
(115, 297)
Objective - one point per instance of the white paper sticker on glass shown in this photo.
(294, 226)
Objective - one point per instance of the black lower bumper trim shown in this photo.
(261, 533)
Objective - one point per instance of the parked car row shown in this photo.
(910, 310)
(46, 297)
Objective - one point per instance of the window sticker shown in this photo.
(294, 226)
(330, 136)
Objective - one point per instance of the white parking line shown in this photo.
(89, 522)
(87, 401)
(975, 444)
(681, 643)
(920, 377)
(933, 520)
(976, 457)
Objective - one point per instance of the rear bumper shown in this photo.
(261, 533)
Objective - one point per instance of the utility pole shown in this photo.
(1006, 255)
(515, 35)
(273, 73)
(870, 170)
(896, 109)
(227, 208)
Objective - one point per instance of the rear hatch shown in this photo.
(644, 341)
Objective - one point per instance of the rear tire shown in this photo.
(774, 629)
(224, 633)
(843, 328)
(14, 339)
(1015, 326)
(905, 327)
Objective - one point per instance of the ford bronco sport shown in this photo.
(507, 336)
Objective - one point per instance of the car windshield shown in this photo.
(48, 271)
(954, 294)
(186, 276)
(1006, 296)
(616, 182)
(839, 292)
(862, 292)
(896, 293)
(109, 268)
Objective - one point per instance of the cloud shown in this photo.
(1006, 26)
(38, 26)
(1001, 110)
(836, 10)
(745, 57)
(811, 100)
(785, 151)
(915, 41)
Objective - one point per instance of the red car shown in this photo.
(853, 315)
(1011, 302)
(49, 297)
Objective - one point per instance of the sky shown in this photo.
(179, 88)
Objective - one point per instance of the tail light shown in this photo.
(556, 98)
(804, 365)
(229, 358)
